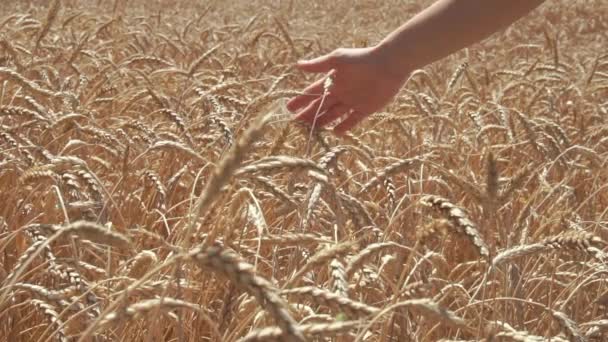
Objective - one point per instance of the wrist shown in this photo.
(395, 58)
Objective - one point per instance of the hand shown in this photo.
(362, 83)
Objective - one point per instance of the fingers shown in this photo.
(308, 95)
(351, 121)
(319, 64)
(331, 114)
(308, 114)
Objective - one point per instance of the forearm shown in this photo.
(448, 26)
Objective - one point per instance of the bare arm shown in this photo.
(448, 26)
(367, 79)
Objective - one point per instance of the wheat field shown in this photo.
(155, 188)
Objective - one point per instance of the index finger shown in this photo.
(308, 95)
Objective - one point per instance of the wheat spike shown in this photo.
(242, 275)
(460, 221)
(311, 330)
(319, 258)
(139, 308)
(333, 300)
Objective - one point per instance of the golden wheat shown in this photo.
(154, 186)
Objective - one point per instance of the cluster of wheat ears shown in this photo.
(154, 188)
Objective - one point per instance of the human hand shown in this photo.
(363, 82)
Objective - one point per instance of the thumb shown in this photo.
(319, 64)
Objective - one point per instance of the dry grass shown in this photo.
(154, 187)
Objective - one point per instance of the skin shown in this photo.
(365, 80)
